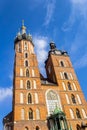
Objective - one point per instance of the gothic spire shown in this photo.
(23, 28)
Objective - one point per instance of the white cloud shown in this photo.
(78, 11)
(50, 7)
(40, 43)
(82, 62)
(5, 92)
(77, 25)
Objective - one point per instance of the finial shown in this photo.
(22, 22)
(23, 28)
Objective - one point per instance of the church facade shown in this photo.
(53, 103)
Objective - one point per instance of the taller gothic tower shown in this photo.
(55, 102)
(28, 103)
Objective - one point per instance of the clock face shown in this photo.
(57, 52)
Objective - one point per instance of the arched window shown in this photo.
(25, 46)
(62, 63)
(21, 72)
(34, 84)
(78, 127)
(27, 72)
(52, 101)
(29, 98)
(26, 55)
(71, 76)
(22, 114)
(19, 47)
(26, 128)
(28, 84)
(36, 98)
(78, 115)
(67, 99)
(26, 63)
(79, 100)
(69, 86)
(37, 114)
(73, 99)
(30, 113)
(21, 83)
(74, 86)
(71, 113)
(84, 114)
(21, 98)
(63, 84)
(61, 74)
(65, 76)
(33, 74)
(37, 128)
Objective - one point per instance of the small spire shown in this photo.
(22, 22)
(23, 28)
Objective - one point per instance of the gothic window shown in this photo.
(78, 115)
(74, 86)
(65, 76)
(26, 128)
(32, 51)
(27, 73)
(25, 46)
(33, 74)
(21, 98)
(36, 98)
(78, 127)
(62, 63)
(19, 47)
(67, 99)
(37, 128)
(21, 72)
(26, 55)
(71, 113)
(37, 114)
(71, 76)
(30, 113)
(61, 75)
(29, 98)
(26, 63)
(28, 84)
(21, 83)
(22, 114)
(79, 100)
(63, 84)
(34, 84)
(73, 99)
(84, 114)
(52, 100)
(69, 86)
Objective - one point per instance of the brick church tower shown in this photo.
(55, 102)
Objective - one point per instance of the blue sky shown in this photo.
(63, 21)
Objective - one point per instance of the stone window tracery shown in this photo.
(52, 100)
(78, 115)
(29, 98)
(30, 113)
